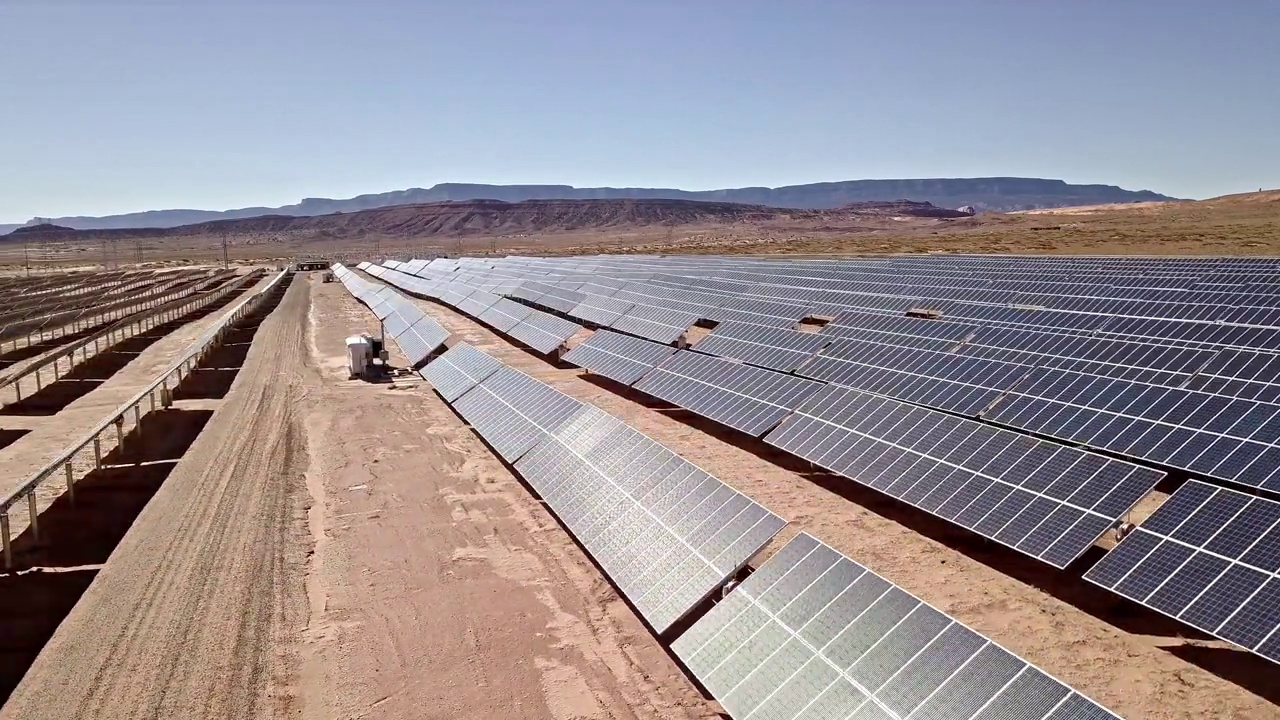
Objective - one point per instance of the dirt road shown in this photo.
(332, 549)
(191, 616)
(440, 588)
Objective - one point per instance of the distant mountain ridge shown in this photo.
(470, 218)
(990, 194)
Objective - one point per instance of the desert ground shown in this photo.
(288, 543)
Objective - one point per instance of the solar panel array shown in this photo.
(1209, 557)
(1046, 500)
(774, 348)
(1034, 496)
(542, 332)
(743, 397)
(418, 336)
(513, 411)
(539, 330)
(814, 635)
(459, 369)
(1221, 437)
(942, 380)
(667, 533)
(618, 357)
(950, 365)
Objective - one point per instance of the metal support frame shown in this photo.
(187, 363)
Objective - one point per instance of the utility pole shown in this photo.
(26, 255)
(225, 259)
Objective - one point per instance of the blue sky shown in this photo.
(111, 107)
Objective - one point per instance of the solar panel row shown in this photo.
(743, 397)
(618, 357)
(1209, 557)
(418, 336)
(539, 330)
(666, 532)
(1042, 499)
(1107, 381)
(813, 635)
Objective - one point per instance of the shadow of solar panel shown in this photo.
(543, 332)
(654, 323)
(1040, 498)
(1208, 557)
(505, 314)
(743, 397)
(600, 310)
(1221, 437)
(776, 349)
(667, 533)
(943, 380)
(813, 634)
(618, 357)
(513, 411)
(458, 370)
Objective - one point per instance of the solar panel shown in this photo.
(561, 299)
(667, 533)
(380, 307)
(743, 397)
(458, 370)
(1040, 498)
(395, 324)
(813, 635)
(477, 302)
(454, 293)
(504, 314)
(760, 312)
(600, 310)
(618, 357)
(422, 339)
(654, 323)
(898, 330)
(1227, 438)
(513, 411)
(1240, 373)
(1208, 557)
(937, 379)
(773, 348)
(543, 332)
